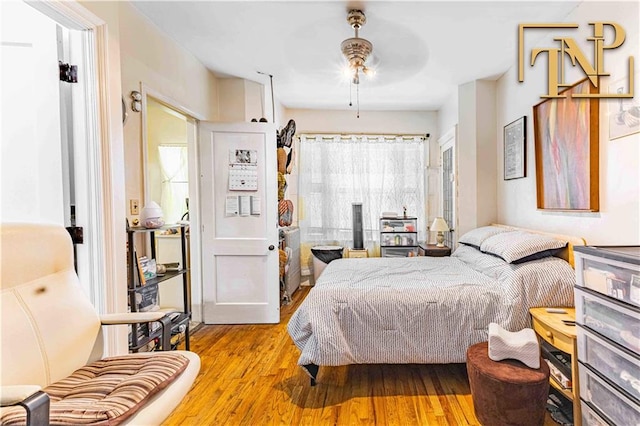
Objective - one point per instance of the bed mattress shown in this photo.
(420, 309)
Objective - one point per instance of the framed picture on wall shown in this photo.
(515, 153)
(566, 147)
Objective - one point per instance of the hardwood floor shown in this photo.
(250, 376)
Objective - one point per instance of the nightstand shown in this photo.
(354, 253)
(558, 340)
(432, 250)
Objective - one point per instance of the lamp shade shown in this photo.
(439, 224)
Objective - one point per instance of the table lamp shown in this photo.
(440, 225)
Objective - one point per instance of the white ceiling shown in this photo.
(421, 50)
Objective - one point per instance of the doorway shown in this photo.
(44, 173)
(96, 181)
(170, 180)
(167, 166)
(32, 169)
(449, 185)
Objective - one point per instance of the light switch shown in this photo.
(134, 207)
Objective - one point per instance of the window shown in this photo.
(175, 183)
(384, 173)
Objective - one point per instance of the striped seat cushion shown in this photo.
(108, 391)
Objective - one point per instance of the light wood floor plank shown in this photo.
(250, 376)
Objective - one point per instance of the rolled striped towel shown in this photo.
(521, 345)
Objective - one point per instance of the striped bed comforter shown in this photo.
(420, 309)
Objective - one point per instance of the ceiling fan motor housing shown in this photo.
(356, 49)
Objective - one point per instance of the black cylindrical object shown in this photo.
(358, 243)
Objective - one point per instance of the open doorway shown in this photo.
(167, 162)
(38, 192)
(449, 185)
(45, 175)
(170, 180)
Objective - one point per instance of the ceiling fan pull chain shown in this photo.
(358, 99)
(350, 86)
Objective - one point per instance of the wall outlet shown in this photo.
(134, 206)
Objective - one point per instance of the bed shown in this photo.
(426, 310)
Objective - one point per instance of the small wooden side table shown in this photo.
(353, 253)
(432, 250)
(551, 328)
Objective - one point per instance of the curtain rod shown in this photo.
(373, 135)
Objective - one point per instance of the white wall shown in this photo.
(149, 56)
(466, 167)
(241, 100)
(485, 152)
(618, 221)
(231, 93)
(254, 101)
(448, 114)
(371, 122)
(475, 153)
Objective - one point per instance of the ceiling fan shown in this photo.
(356, 50)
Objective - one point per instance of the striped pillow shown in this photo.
(106, 392)
(475, 237)
(519, 246)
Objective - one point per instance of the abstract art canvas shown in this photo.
(566, 147)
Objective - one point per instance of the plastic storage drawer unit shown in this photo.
(612, 271)
(399, 252)
(607, 298)
(610, 319)
(398, 236)
(610, 361)
(590, 417)
(619, 408)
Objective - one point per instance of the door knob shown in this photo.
(271, 247)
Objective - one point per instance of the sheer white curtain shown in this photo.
(175, 181)
(385, 174)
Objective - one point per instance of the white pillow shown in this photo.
(520, 246)
(475, 237)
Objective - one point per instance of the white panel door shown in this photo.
(32, 184)
(239, 251)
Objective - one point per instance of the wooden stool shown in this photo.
(506, 392)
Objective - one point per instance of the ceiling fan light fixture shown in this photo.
(369, 72)
(356, 50)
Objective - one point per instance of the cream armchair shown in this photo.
(51, 344)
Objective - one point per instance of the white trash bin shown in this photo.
(322, 256)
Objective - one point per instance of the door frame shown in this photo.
(446, 141)
(105, 158)
(195, 237)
